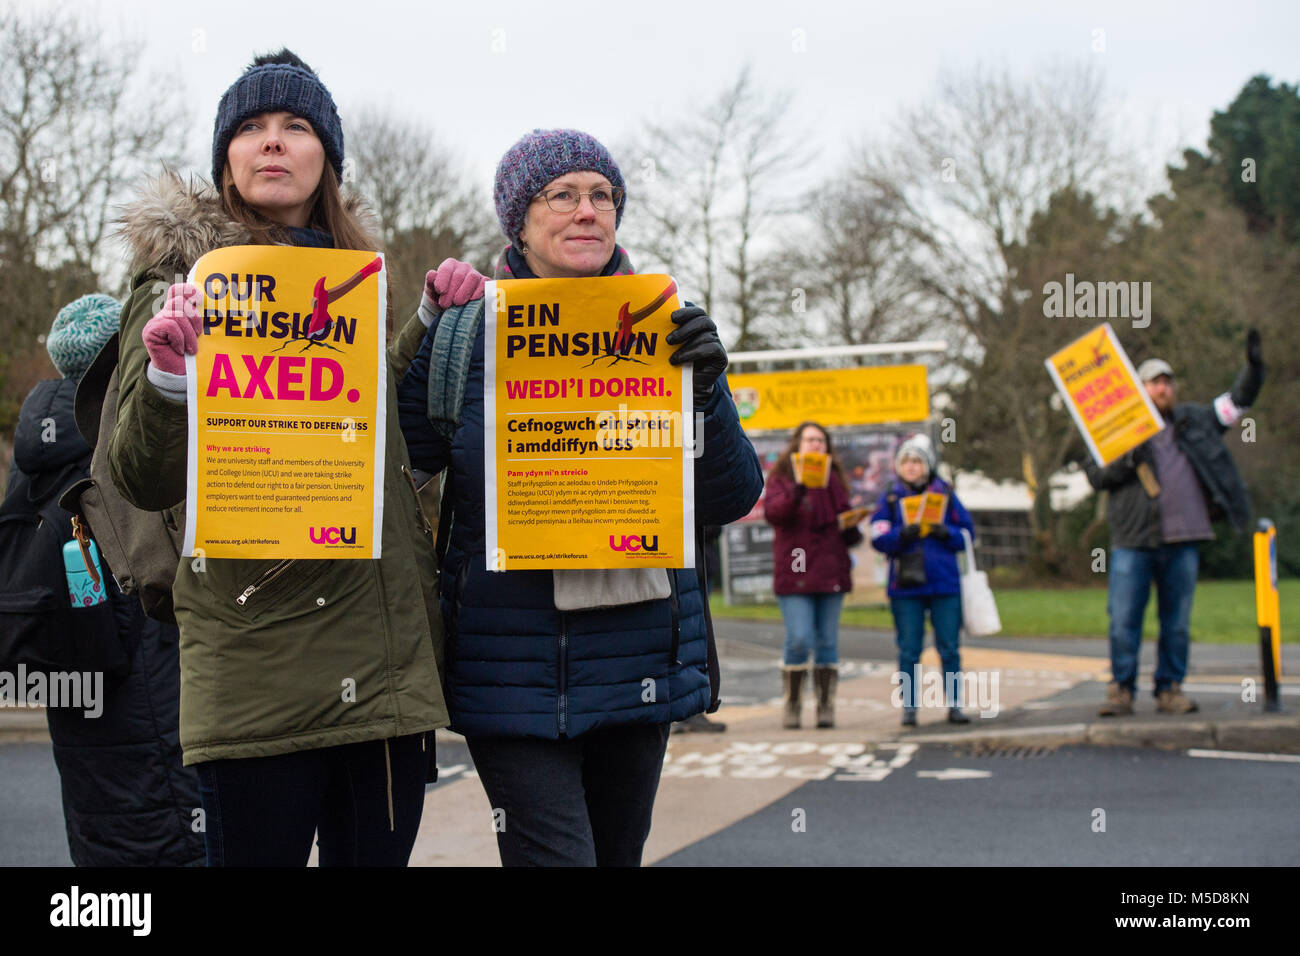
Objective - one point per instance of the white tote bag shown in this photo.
(978, 609)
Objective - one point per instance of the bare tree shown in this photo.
(710, 190)
(425, 207)
(79, 124)
(969, 172)
(856, 265)
(972, 166)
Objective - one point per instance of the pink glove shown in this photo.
(174, 331)
(453, 283)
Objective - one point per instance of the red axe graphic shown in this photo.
(322, 297)
(628, 319)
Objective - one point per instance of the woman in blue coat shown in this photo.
(923, 574)
(565, 684)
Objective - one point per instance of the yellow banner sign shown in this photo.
(845, 396)
(286, 400)
(1101, 389)
(586, 426)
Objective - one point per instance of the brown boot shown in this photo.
(1119, 701)
(792, 681)
(1174, 701)
(825, 679)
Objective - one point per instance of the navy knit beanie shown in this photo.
(80, 331)
(273, 83)
(535, 160)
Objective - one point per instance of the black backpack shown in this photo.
(142, 547)
(39, 627)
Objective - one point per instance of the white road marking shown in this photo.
(955, 773)
(1244, 755)
(1290, 690)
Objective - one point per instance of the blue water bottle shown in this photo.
(81, 565)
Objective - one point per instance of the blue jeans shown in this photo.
(1173, 568)
(909, 620)
(812, 622)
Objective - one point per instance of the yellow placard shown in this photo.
(852, 517)
(932, 509)
(811, 468)
(588, 428)
(1101, 389)
(286, 401)
(845, 396)
(925, 509)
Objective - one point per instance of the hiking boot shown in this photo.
(1172, 700)
(825, 680)
(955, 716)
(909, 716)
(699, 724)
(792, 683)
(1119, 701)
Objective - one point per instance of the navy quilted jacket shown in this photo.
(518, 667)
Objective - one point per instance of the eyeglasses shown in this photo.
(563, 199)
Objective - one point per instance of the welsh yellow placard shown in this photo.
(1101, 389)
(286, 400)
(588, 429)
(845, 396)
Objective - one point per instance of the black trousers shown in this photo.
(584, 801)
(264, 811)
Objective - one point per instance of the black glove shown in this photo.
(910, 533)
(1077, 453)
(699, 344)
(1254, 355)
(939, 532)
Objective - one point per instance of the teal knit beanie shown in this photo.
(80, 331)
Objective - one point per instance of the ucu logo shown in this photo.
(630, 542)
(333, 535)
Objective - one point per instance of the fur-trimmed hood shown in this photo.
(171, 224)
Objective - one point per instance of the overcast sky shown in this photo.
(483, 73)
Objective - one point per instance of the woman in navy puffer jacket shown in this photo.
(566, 710)
(923, 574)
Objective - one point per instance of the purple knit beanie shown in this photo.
(535, 160)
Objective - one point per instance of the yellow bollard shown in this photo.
(1268, 611)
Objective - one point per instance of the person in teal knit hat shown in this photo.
(127, 799)
(80, 330)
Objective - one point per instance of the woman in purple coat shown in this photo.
(811, 570)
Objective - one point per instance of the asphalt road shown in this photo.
(1160, 809)
(935, 806)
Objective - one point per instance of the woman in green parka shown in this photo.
(309, 689)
